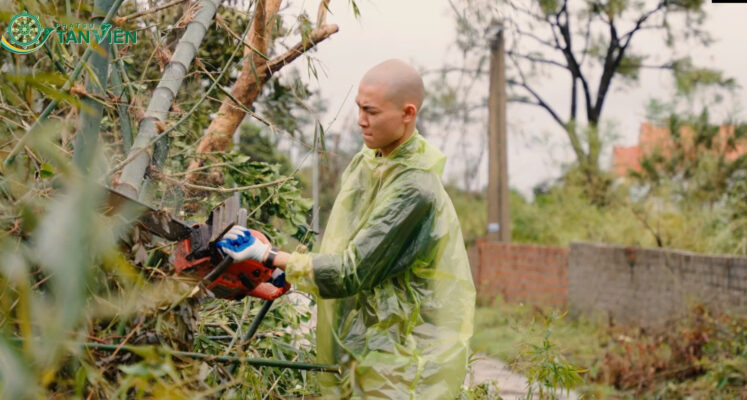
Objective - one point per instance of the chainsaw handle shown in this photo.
(224, 263)
(219, 269)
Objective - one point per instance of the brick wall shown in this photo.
(536, 274)
(651, 286)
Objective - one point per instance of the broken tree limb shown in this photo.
(317, 35)
(245, 89)
(321, 16)
(250, 81)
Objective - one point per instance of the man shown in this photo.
(395, 293)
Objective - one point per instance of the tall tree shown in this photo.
(594, 43)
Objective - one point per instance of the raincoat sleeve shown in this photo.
(394, 233)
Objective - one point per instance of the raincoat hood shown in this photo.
(393, 284)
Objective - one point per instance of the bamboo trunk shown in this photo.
(89, 119)
(163, 96)
(118, 80)
(65, 87)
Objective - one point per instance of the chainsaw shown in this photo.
(196, 254)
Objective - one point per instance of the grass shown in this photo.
(502, 329)
(704, 355)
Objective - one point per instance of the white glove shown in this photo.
(241, 245)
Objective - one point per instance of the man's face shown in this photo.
(382, 122)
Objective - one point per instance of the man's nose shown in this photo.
(362, 120)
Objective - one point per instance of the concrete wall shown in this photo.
(651, 286)
(629, 285)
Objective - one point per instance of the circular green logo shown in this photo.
(24, 29)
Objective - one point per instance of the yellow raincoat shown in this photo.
(394, 288)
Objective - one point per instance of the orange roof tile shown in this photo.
(653, 139)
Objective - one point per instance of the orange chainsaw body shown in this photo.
(238, 280)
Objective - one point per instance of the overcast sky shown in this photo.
(422, 32)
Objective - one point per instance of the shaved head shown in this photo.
(402, 82)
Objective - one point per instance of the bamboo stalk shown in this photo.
(65, 87)
(160, 103)
(118, 84)
(256, 362)
(135, 153)
(91, 111)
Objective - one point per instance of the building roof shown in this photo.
(657, 139)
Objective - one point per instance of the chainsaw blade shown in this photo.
(157, 222)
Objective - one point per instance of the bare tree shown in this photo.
(593, 42)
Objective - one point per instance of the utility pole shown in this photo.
(499, 217)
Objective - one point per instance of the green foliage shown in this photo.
(259, 147)
(630, 67)
(471, 208)
(547, 371)
(692, 199)
(563, 213)
(284, 104)
(74, 278)
(699, 172)
(274, 208)
(483, 391)
(548, 7)
(284, 335)
(528, 338)
(688, 78)
(504, 330)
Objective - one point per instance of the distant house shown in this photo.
(656, 139)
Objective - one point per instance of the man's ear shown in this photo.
(410, 112)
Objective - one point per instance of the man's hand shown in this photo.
(241, 245)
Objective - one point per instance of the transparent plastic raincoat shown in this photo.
(394, 288)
